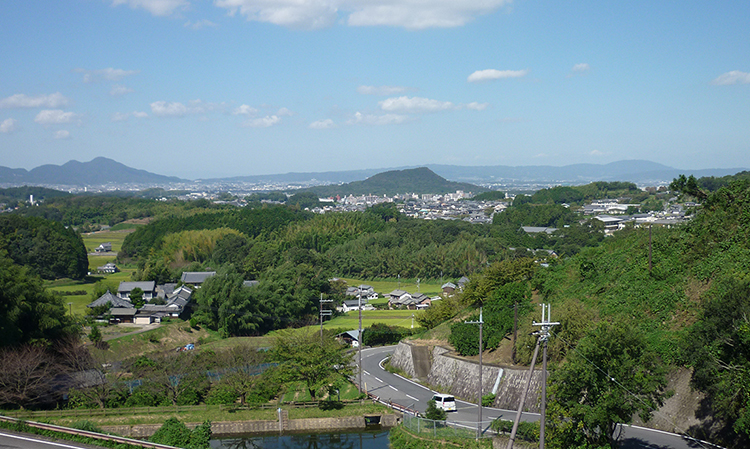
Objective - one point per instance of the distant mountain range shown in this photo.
(413, 180)
(99, 171)
(102, 171)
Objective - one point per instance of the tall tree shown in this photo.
(609, 377)
(303, 357)
(28, 312)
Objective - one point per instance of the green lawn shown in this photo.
(369, 317)
(94, 239)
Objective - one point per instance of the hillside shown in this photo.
(415, 180)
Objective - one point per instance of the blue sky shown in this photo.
(201, 88)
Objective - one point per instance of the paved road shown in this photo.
(18, 441)
(404, 392)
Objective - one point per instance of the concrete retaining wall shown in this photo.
(460, 377)
(251, 427)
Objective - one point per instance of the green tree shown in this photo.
(718, 347)
(611, 376)
(136, 297)
(434, 413)
(303, 357)
(28, 312)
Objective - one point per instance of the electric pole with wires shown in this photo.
(479, 400)
(544, 334)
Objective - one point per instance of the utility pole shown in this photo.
(479, 395)
(515, 331)
(359, 337)
(544, 332)
(322, 314)
(523, 398)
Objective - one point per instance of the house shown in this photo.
(250, 283)
(148, 287)
(350, 337)
(122, 315)
(538, 229)
(111, 300)
(196, 278)
(108, 268)
(398, 298)
(462, 282)
(448, 288)
(353, 304)
(365, 290)
(104, 248)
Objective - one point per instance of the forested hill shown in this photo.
(419, 180)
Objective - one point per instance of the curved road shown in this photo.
(404, 392)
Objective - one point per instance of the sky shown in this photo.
(217, 88)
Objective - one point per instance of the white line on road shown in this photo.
(38, 441)
(393, 387)
(365, 372)
(378, 380)
(412, 398)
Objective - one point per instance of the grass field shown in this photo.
(78, 302)
(401, 318)
(94, 239)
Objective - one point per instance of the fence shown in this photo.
(424, 426)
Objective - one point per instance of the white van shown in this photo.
(445, 402)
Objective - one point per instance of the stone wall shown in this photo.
(461, 377)
(251, 427)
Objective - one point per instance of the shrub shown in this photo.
(434, 413)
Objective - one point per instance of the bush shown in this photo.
(488, 400)
(86, 425)
(221, 394)
(527, 431)
(175, 433)
(434, 413)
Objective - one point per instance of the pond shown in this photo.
(376, 439)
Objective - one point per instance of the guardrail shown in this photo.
(85, 433)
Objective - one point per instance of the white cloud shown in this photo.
(199, 24)
(155, 7)
(381, 90)
(414, 104)
(118, 90)
(474, 106)
(284, 112)
(263, 122)
(492, 74)
(8, 125)
(62, 134)
(40, 101)
(245, 110)
(315, 14)
(581, 67)
(322, 124)
(122, 116)
(108, 74)
(387, 119)
(177, 109)
(54, 116)
(733, 77)
(596, 153)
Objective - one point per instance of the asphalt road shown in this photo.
(404, 392)
(14, 441)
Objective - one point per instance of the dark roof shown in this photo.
(112, 300)
(196, 277)
(250, 283)
(146, 286)
(120, 311)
